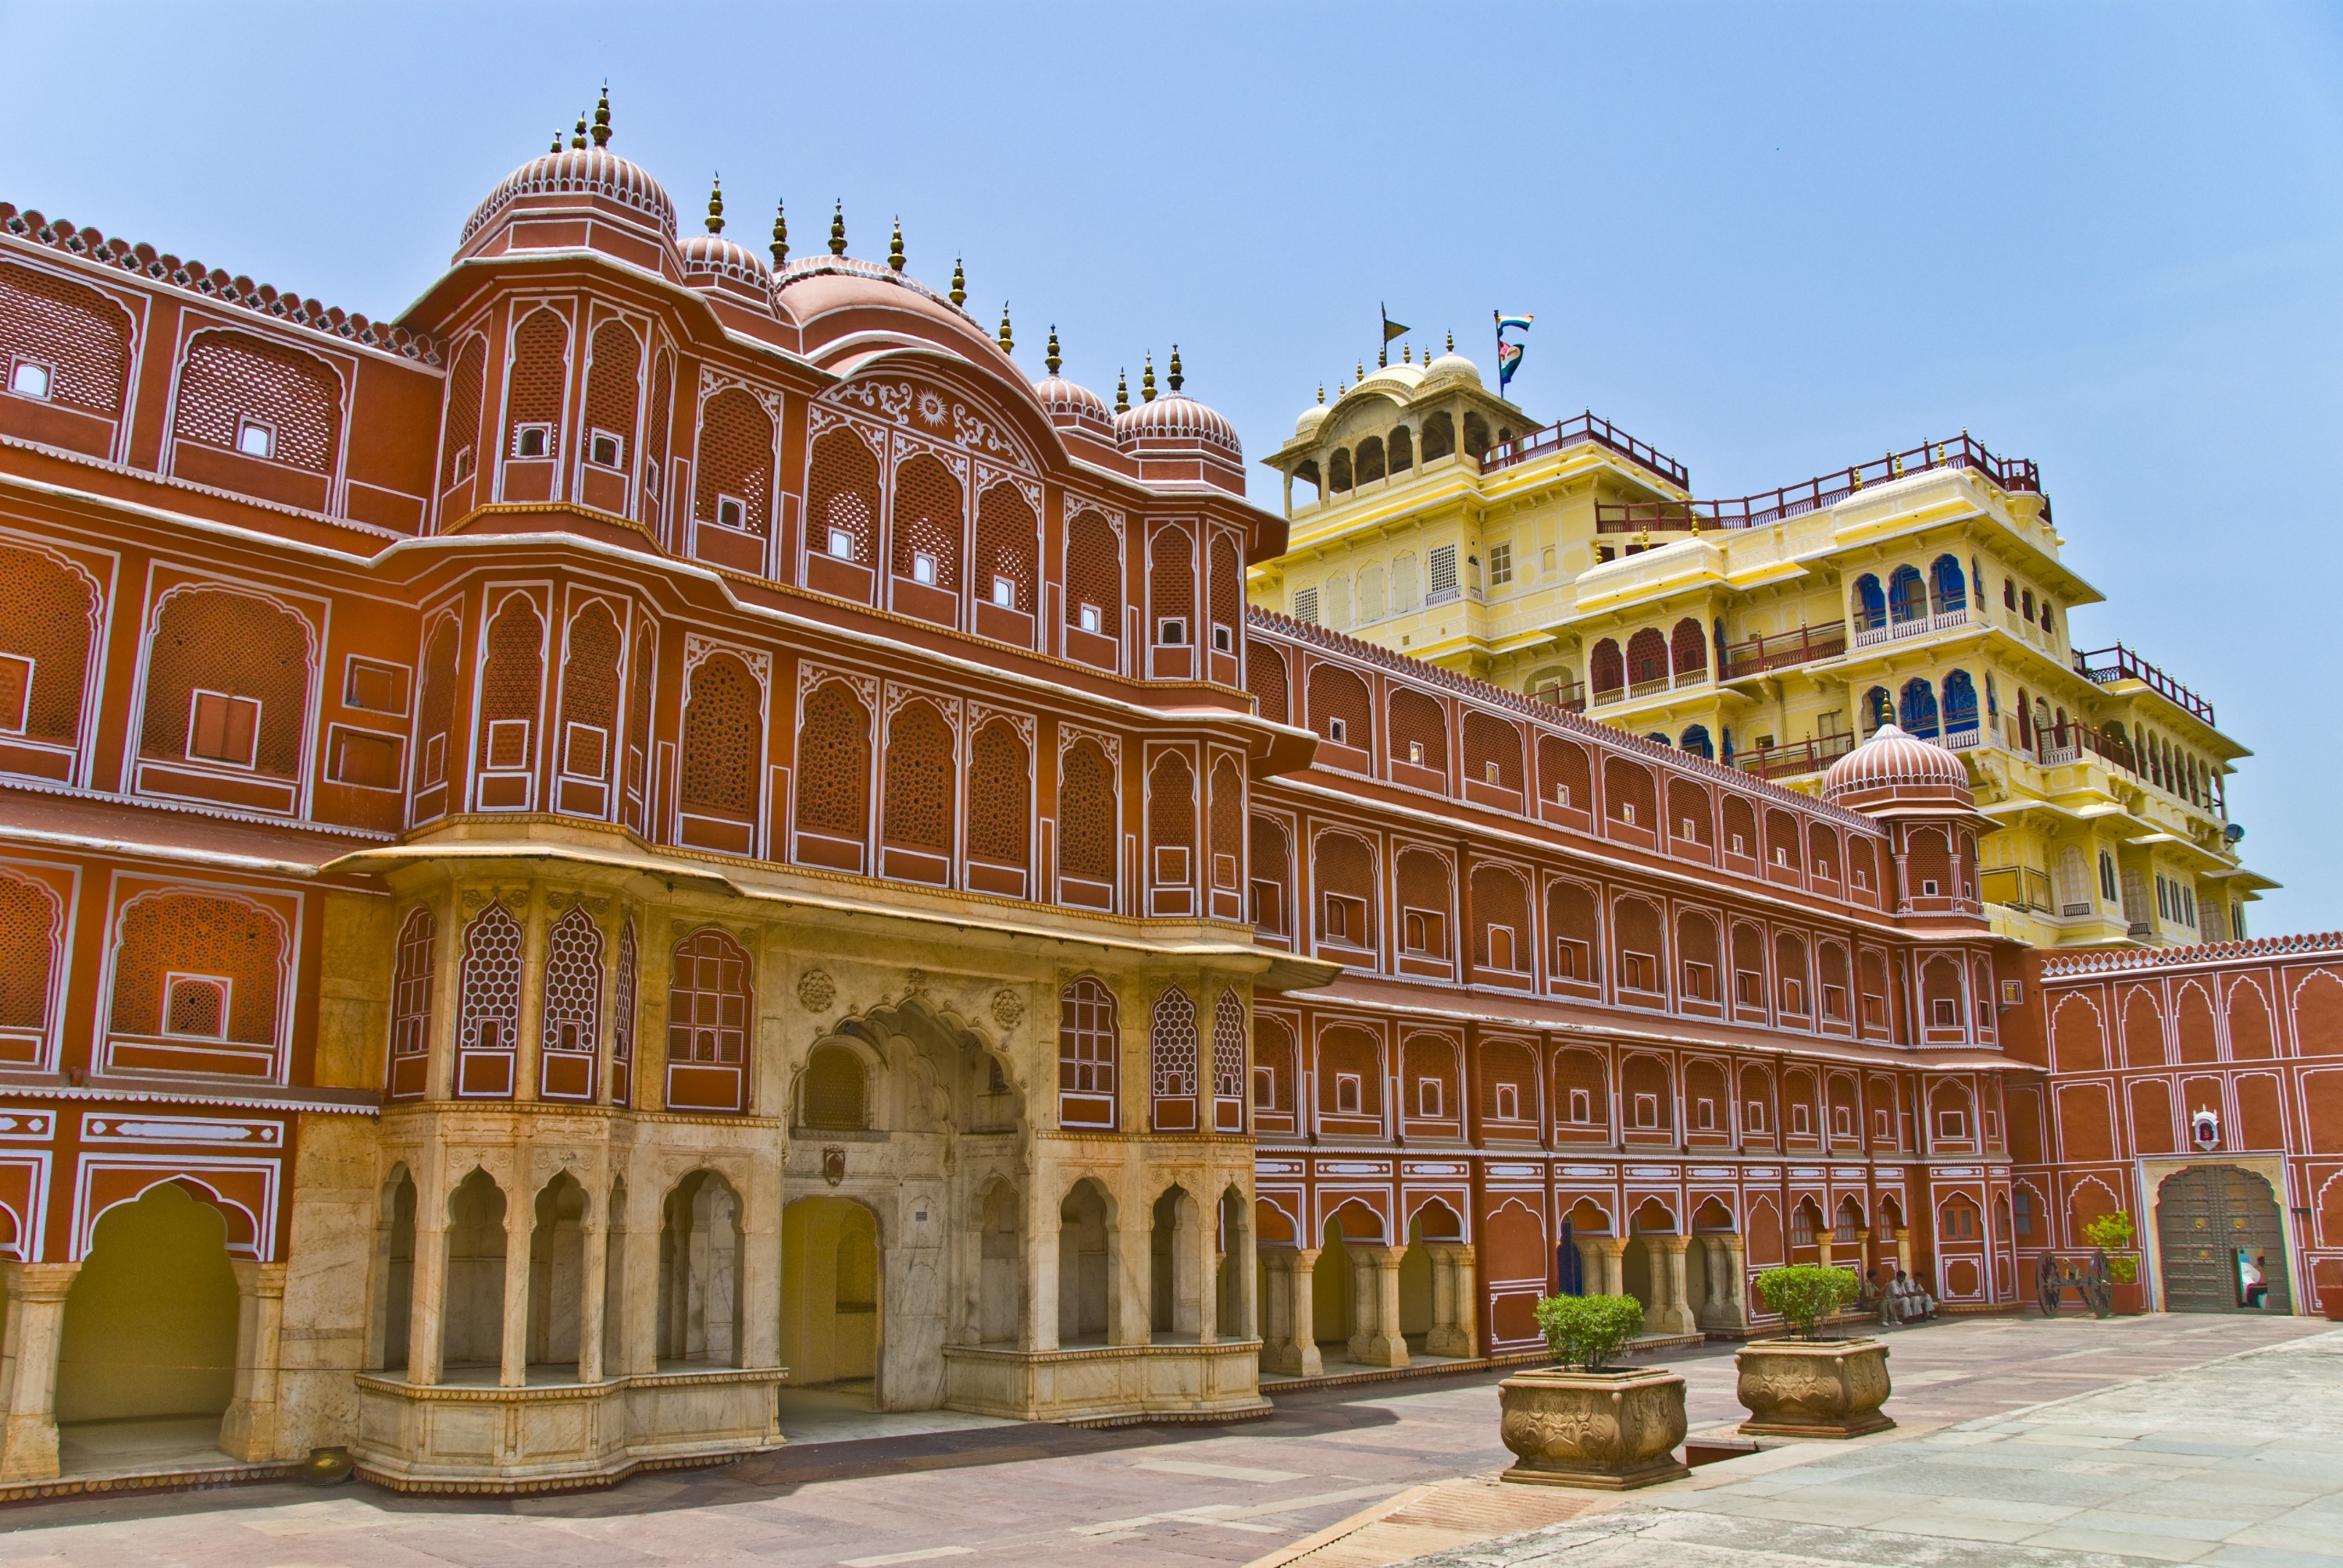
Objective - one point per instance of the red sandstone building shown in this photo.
(671, 822)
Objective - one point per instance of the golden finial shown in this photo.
(1363, 370)
(716, 206)
(1122, 391)
(1321, 392)
(1174, 375)
(578, 136)
(837, 229)
(556, 141)
(1050, 358)
(780, 234)
(1452, 340)
(1406, 353)
(602, 118)
(960, 284)
(1147, 380)
(1008, 342)
(1382, 356)
(1856, 474)
(1644, 538)
(895, 248)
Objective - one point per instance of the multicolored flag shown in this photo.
(1509, 355)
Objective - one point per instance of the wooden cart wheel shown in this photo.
(2047, 1287)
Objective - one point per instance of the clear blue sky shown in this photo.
(1768, 239)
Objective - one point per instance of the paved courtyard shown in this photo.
(1233, 1495)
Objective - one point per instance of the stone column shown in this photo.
(1193, 1309)
(1727, 1308)
(427, 1300)
(1130, 1255)
(520, 1224)
(28, 1367)
(1039, 1328)
(249, 1429)
(1602, 1263)
(593, 1283)
(1455, 1323)
(1902, 1236)
(530, 1024)
(1375, 1338)
(1289, 1332)
(1666, 1312)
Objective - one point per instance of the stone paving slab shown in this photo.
(2235, 1460)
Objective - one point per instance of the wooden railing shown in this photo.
(1799, 757)
(1782, 649)
(1824, 490)
(1585, 428)
(1567, 694)
(2122, 664)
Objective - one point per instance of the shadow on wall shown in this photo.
(150, 1326)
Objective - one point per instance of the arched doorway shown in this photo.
(2206, 1216)
(150, 1332)
(1086, 1249)
(830, 1296)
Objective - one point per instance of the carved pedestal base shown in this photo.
(1821, 1388)
(1611, 1430)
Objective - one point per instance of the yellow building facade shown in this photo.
(1774, 632)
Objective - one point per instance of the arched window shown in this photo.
(1371, 459)
(1338, 469)
(833, 783)
(1878, 708)
(1403, 449)
(1960, 703)
(46, 636)
(1870, 604)
(64, 344)
(1171, 588)
(1695, 740)
(1227, 589)
(638, 726)
(1688, 647)
(927, 525)
(589, 709)
(572, 1033)
(1565, 779)
(1908, 596)
(1228, 1063)
(1343, 869)
(723, 752)
(227, 683)
(435, 715)
(1647, 661)
(655, 444)
(1272, 890)
(247, 395)
(999, 804)
(487, 1010)
(614, 373)
(1228, 827)
(842, 500)
(623, 993)
(732, 490)
(1916, 711)
(1087, 1051)
(1493, 752)
(534, 380)
(512, 683)
(1173, 1062)
(1339, 709)
(1575, 929)
(1265, 678)
(1171, 831)
(919, 803)
(1502, 939)
(466, 385)
(410, 1005)
(1419, 730)
(1427, 903)
(1606, 671)
(1006, 532)
(1093, 576)
(835, 1092)
(1087, 819)
(709, 1009)
(1951, 587)
(1438, 435)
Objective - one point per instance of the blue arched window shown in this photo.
(1695, 740)
(1951, 589)
(1960, 703)
(1918, 709)
(1870, 604)
(1908, 596)
(1878, 708)
(1661, 736)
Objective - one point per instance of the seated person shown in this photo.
(2254, 1283)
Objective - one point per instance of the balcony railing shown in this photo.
(1567, 694)
(1650, 686)
(1799, 757)
(1782, 649)
(1585, 428)
(2120, 663)
(1892, 630)
(1824, 490)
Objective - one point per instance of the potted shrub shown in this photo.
(2113, 1234)
(1807, 1384)
(1583, 1422)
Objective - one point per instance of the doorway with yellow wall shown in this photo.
(831, 1297)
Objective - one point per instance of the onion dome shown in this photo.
(561, 177)
(1313, 416)
(1173, 419)
(711, 255)
(1893, 769)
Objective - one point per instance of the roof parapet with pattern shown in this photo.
(2114, 960)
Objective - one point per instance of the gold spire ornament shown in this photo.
(1050, 358)
(1452, 340)
(557, 141)
(578, 136)
(1008, 341)
(780, 234)
(1147, 380)
(1322, 393)
(837, 229)
(895, 248)
(716, 206)
(1174, 376)
(1122, 391)
(960, 284)
(602, 119)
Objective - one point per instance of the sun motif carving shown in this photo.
(931, 408)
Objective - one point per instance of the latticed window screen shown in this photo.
(28, 942)
(197, 933)
(1005, 534)
(1500, 902)
(1171, 804)
(1423, 888)
(708, 1003)
(1228, 1047)
(736, 459)
(511, 685)
(1086, 814)
(928, 520)
(999, 795)
(540, 364)
(435, 708)
(411, 985)
(722, 739)
(655, 444)
(843, 495)
(590, 692)
(1227, 584)
(1491, 740)
(835, 1091)
(215, 640)
(1173, 1046)
(1343, 866)
(1337, 694)
(487, 1010)
(622, 997)
(1172, 577)
(80, 334)
(195, 1006)
(613, 378)
(466, 385)
(1228, 823)
(1419, 730)
(834, 764)
(1086, 1038)
(1094, 572)
(638, 712)
(229, 377)
(573, 983)
(48, 615)
(1265, 678)
(918, 806)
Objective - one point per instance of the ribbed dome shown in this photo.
(712, 253)
(1893, 767)
(1059, 396)
(1173, 417)
(593, 172)
(1455, 365)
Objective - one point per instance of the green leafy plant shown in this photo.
(1586, 1331)
(2113, 1234)
(1806, 1293)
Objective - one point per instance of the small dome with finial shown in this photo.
(1313, 416)
(1067, 404)
(1175, 421)
(1452, 365)
(1894, 770)
(581, 173)
(710, 257)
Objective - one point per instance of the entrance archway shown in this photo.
(2206, 1216)
(149, 1332)
(830, 1295)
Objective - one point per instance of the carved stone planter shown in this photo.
(1814, 1388)
(1611, 1430)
